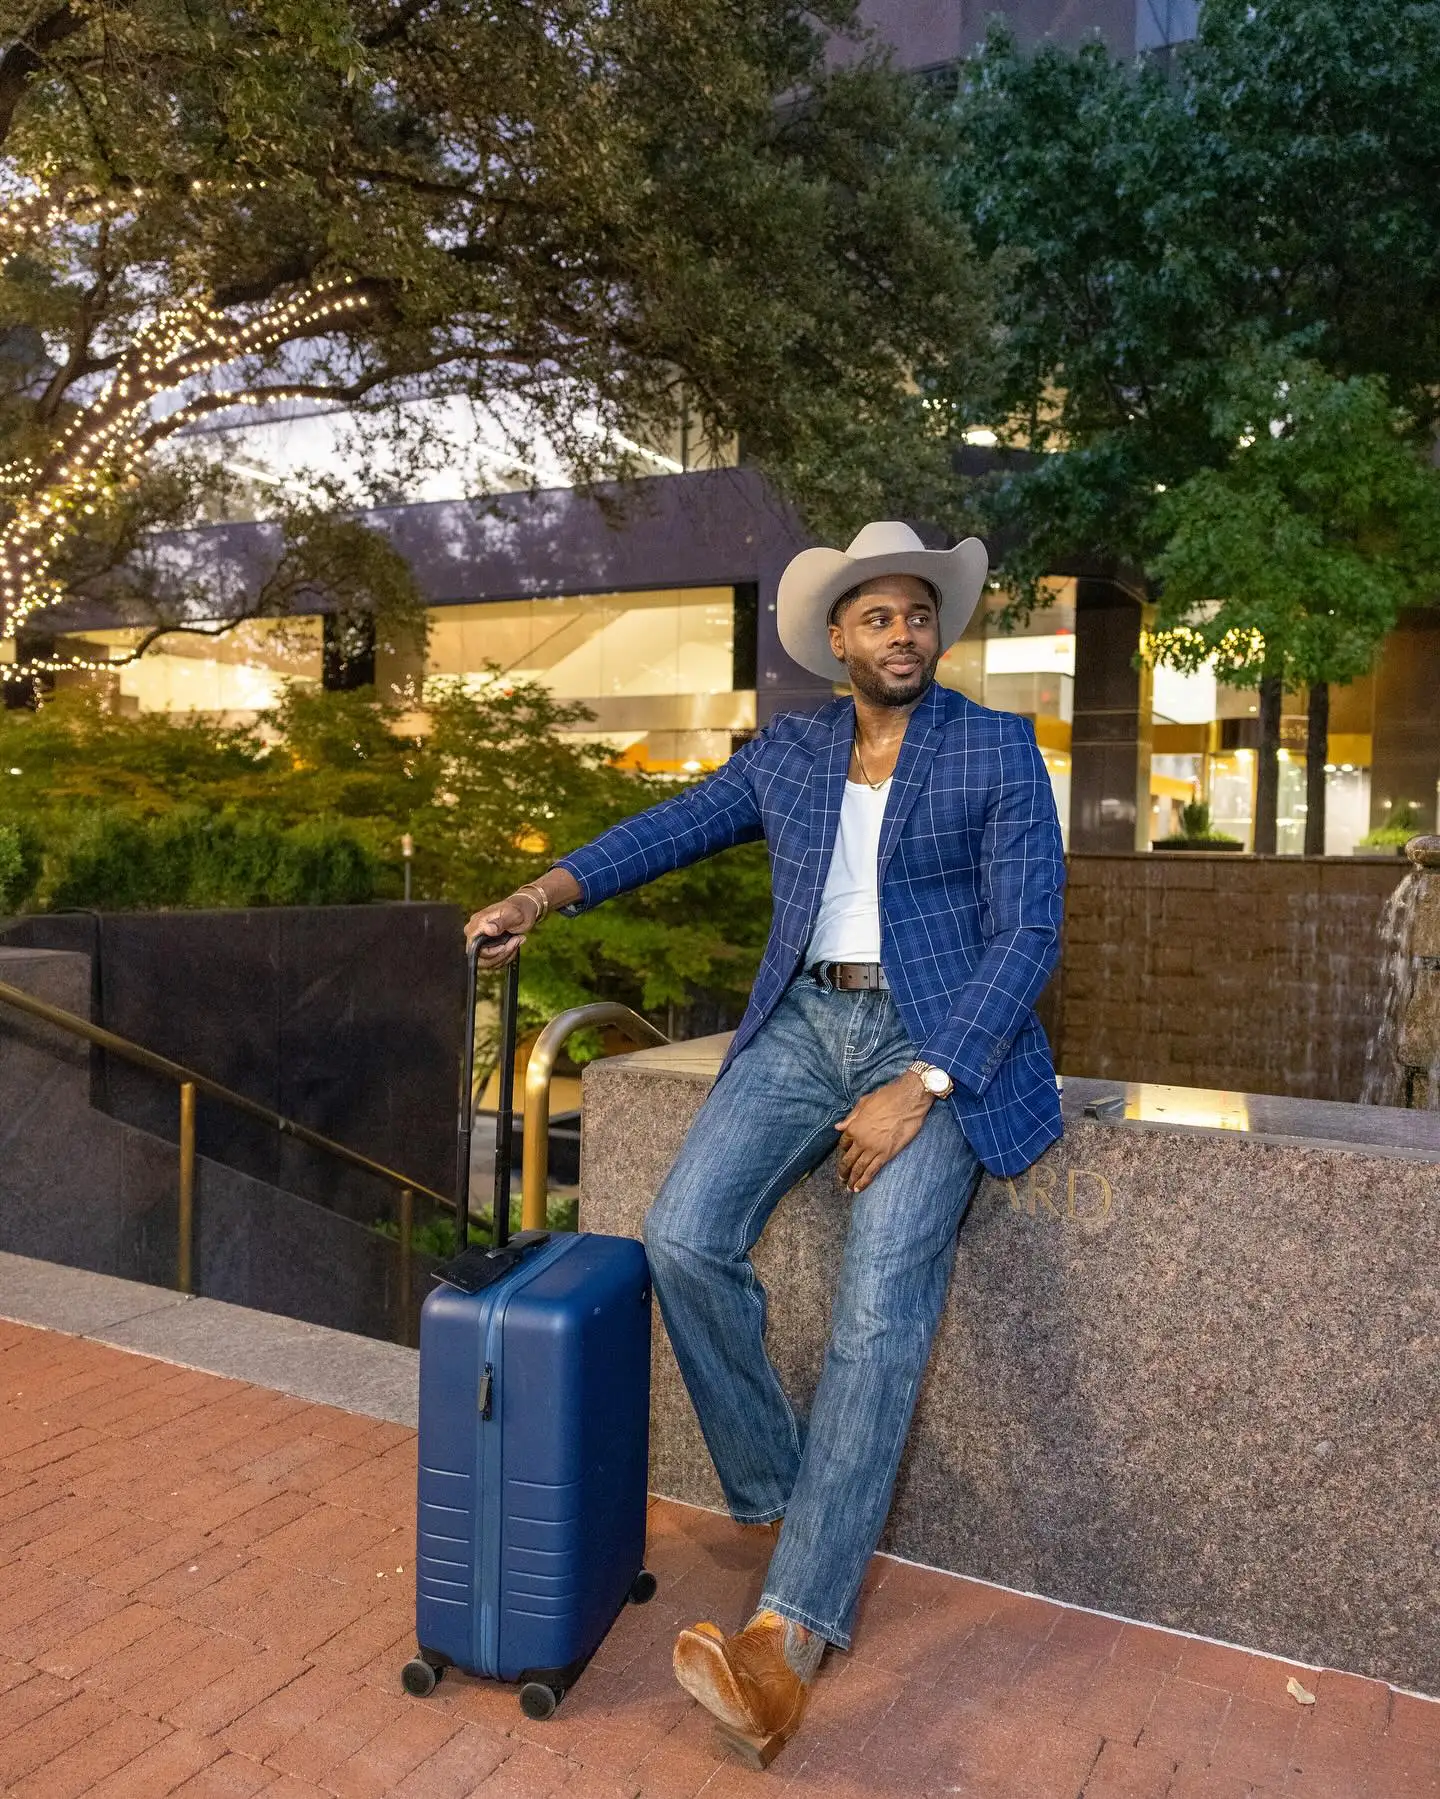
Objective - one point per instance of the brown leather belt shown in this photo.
(849, 976)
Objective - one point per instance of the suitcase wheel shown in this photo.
(539, 1701)
(643, 1588)
(419, 1675)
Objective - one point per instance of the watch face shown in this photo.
(936, 1081)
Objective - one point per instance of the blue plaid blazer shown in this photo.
(971, 873)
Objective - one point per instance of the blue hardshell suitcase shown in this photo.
(534, 1440)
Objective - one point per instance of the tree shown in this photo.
(1156, 233)
(588, 220)
(1290, 564)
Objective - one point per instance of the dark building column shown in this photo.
(348, 654)
(1405, 757)
(1111, 733)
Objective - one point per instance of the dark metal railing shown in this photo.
(190, 1084)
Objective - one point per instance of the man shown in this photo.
(917, 871)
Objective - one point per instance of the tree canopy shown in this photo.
(1161, 234)
(589, 220)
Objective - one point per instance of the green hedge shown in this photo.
(21, 860)
(120, 861)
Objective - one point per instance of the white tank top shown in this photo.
(847, 928)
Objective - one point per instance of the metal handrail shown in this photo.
(540, 1073)
(190, 1084)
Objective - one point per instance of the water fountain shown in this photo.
(1403, 1064)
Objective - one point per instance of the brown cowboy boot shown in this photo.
(754, 1684)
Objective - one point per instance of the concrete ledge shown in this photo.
(310, 1361)
(1187, 1370)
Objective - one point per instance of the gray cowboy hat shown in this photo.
(815, 579)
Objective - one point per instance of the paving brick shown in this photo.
(49, 1735)
(1125, 1772)
(182, 1584)
(114, 1632)
(1353, 1701)
(232, 1777)
(1255, 1740)
(172, 1678)
(52, 1449)
(64, 1608)
(212, 1705)
(313, 1535)
(280, 1716)
(1118, 1700)
(31, 1698)
(1330, 1761)
(1404, 1769)
(529, 1774)
(1417, 1720)
(314, 1752)
(113, 1746)
(1186, 1718)
(1087, 1633)
(459, 1768)
(1193, 1781)
(1219, 1665)
(155, 1774)
(399, 1747)
(138, 1566)
(373, 1634)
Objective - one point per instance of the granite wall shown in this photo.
(80, 1187)
(345, 1018)
(1258, 973)
(1186, 1374)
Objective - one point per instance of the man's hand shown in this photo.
(879, 1128)
(509, 923)
(506, 926)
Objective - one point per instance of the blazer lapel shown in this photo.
(912, 770)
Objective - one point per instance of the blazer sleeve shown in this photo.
(697, 822)
(1022, 881)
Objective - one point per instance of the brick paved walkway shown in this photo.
(205, 1589)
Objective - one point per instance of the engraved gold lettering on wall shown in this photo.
(1042, 1186)
(1105, 1195)
(1089, 1196)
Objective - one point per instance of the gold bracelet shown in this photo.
(533, 890)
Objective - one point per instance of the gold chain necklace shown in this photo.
(874, 786)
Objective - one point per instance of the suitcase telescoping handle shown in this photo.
(475, 1268)
(505, 1115)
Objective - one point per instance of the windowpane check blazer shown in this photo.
(971, 873)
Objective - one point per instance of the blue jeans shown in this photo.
(769, 1121)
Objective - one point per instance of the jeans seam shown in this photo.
(751, 1290)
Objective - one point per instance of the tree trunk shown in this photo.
(1267, 775)
(1317, 750)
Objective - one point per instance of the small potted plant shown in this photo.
(1197, 832)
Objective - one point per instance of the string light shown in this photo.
(105, 444)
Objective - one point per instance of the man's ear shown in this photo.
(837, 642)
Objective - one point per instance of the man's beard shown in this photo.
(872, 683)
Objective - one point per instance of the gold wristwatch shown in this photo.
(934, 1080)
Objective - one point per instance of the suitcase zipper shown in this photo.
(492, 1459)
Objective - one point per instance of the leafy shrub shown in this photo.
(1397, 830)
(1195, 827)
(119, 861)
(20, 864)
